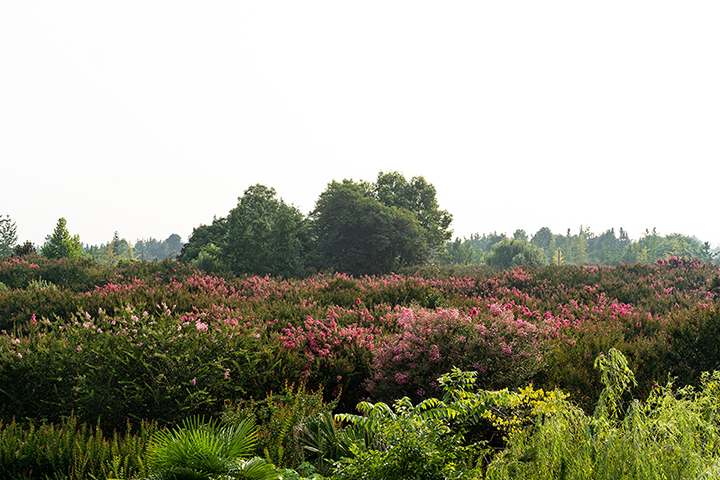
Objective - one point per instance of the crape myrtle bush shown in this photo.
(503, 350)
(162, 340)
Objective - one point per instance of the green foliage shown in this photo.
(673, 434)
(61, 244)
(200, 450)
(202, 237)
(357, 234)
(209, 259)
(419, 197)
(163, 341)
(264, 235)
(8, 236)
(279, 417)
(151, 249)
(514, 253)
(71, 450)
(129, 365)
(324, 442)
(27, 248)
(616, 376)
(114, 251)
(406, 445)
(460, 252)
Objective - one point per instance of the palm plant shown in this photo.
(207, 451)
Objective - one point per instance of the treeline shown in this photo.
(582, 248)
(357, 228)
(60, 244)
(360, 228)
(149, 249)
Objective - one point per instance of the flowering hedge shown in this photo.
(163, 340)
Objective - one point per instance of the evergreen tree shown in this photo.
(8, 236)
(61, 244)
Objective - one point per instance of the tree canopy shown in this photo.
(264, 235)
(355, 233)
(418, 197)
(8, 236)
(61, 244)
(509, 253)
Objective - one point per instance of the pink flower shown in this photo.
(193, 382)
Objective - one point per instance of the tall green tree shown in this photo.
(460, 252)
(27, 248)
(8, 236)
(542, 238)
(514, 253)
(264, 235)
(205, 238)
(419, 197)
(112, 252)
(153, 249)
(61, 244)
(355, 233)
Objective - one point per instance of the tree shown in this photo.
(355, 233)
(61, 244)
(173, 245)
(26, 248)
(514, 253)
(460, 252)
(487, 241)
(580, 250)
(8, 236)
(542, 238)
(520, 235)
(419, 197)
(264, 235)
(153, 249)
(202, 237)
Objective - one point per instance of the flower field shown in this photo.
(163, 341)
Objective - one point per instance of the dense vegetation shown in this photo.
(559, 356)
(163, 342)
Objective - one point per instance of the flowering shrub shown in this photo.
(131, 365)
(163, 340)
(492, 341)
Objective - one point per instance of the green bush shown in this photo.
(71, 450)
(278, 417)
(134, 365)
(673, 434)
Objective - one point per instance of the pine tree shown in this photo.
(61, 244)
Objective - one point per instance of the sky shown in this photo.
(151, 117)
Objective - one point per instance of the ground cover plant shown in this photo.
(163, 341)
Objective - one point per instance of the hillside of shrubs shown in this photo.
(463, 370)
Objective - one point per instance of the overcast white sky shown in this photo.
(149, 117)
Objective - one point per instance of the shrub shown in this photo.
(71, 450)
(504, 350)
(673, 434)
(279, 416)
(199, 450)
